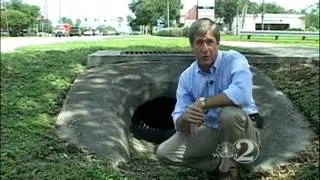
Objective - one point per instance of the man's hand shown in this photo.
(194, 116)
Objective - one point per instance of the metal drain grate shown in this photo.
(152, 52)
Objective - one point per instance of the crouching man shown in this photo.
(214, 104)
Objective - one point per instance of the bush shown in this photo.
(173, 32)
(5, 34)
(295, 29)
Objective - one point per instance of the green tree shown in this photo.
(65, 20)
(273, 8)
(46, 26)
(148, 11)
(312, 17)
(227, 9)
(253, 8)
(78, 22)
(292, 11)
(104, 28)
(17, 21)
(32, 12)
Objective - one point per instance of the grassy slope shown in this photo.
(309, 41)
(33, 86)
(300, 82)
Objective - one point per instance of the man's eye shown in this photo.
(199, 42)
(210, 41)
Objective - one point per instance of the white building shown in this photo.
(203, 8)
(206, 8)
(253, 22)
(119, 23)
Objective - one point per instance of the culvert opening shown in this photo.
(152, 120)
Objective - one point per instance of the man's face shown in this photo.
(205, 48)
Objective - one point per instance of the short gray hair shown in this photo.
(202, 26)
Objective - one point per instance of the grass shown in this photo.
(291, 40)
(300, 82)
(129, 43)
(34, 83)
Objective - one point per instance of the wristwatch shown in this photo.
(202, 101)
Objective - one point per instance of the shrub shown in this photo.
(173, 32)
(295, 29)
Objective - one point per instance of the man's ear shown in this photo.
(218, 43)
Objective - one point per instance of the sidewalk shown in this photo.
(276, 49)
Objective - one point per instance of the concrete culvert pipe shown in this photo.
(152, 120)
(103, 104)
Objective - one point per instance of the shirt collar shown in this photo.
(215, 66)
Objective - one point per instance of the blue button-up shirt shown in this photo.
(229, 74)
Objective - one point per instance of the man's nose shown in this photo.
(205, 47)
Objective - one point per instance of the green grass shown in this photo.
(290, 40)
(131, 43)
(34, 83)
(300, 82)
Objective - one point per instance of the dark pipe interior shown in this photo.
(156, 113)
(152, 120)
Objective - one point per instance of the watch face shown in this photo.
(202, 101)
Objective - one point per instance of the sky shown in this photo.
(115, 8)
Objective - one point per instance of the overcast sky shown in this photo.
(114, 8)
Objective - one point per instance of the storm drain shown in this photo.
(100, 58)
(152, 120)
(153, 52)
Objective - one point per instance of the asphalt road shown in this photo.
(10, 44)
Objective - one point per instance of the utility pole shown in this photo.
(7, 23)
(237, 21)
(59, 11)
(47, 15)
(197, 9)
(43, 18)
(262, 16)
(168, 14)
(4, 8)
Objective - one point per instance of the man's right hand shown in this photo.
(193, 117)
(194, 114)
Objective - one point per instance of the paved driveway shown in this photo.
(10, 44)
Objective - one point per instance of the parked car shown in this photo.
(88, 33)
(75, 31)
(96, 33)
(62, 30)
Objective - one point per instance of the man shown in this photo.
(214, 101)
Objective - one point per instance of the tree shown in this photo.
(148, 11)
(17, 21)
(65, 20)
(32, 12)
(104, 28)
(227, 9)
(273, 8)
(46, 26)
(78, 22)
(253, 8)
(292, 11)
(312, 17)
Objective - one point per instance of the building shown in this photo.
(203, 8)
(206, 8)
(189, 17)
(119, 23)
(278, 22)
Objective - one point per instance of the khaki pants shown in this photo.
(196, 151)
